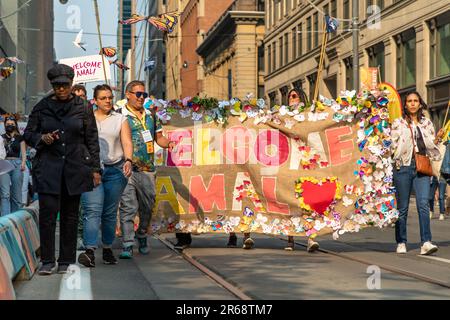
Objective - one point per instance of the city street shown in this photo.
(267, 271)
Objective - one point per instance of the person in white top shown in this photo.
(413, 132)
(100, 205)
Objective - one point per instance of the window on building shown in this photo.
(348, 62)
(440, 45)
(406, 58)
(376, 58)
(297, 84)
(261, 58)
(230, 83)
(284, 95)
(269, 58)
(272, 98)
(316, 29)
(299, 40)
(288, 6)
(280, 52)
(346, 9)
(333, 13)
(331, 84)
(261, 5)
(378, 3)
(277, 5)
(260, 91)
(312, 83)
(274, 56)
(308, 34)
(286, 48)
(294, 43)
(326, 9)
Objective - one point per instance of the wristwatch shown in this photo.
(128, 159)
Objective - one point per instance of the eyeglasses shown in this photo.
(11, 118)
(140, 94)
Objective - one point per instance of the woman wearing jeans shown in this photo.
(413, 125)
(11, 182)
(100, 205)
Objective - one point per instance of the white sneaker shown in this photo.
(248, 244)
(312, 245)
(441, 217)
(428, 248)
(401, 248)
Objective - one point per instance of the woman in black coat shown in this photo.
(63, 131)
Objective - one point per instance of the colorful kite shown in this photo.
(11, 59)
(109, 51)
(120, 65)
(134, 18)
(164, 22)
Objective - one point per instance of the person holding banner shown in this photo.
(437, 181)
(63, 131)
(413, 135)
(139, 195)
(11, 182)
(297, 97)
(100, 205)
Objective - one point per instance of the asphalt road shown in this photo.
(347, 269)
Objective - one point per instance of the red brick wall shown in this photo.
(191, 24)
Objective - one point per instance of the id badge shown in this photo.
(147, 136)
(150, 147)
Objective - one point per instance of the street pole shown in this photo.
(355, 30)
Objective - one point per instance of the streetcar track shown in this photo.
(382, 266)
(207, 271)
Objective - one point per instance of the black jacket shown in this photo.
(75, 155)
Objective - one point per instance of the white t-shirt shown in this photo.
(111, 151)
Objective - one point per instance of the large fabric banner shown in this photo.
(279, 171)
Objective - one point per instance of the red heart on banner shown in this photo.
(318, 197)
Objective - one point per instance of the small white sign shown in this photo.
(88, 68)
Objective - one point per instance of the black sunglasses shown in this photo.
(58, 85)
(140, 94)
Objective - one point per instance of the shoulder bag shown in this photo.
(423, 163)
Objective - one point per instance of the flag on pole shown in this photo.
(150, 64)
(332, 24)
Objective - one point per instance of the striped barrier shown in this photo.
(19, 242)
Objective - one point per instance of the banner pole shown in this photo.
(322, 54)
(100, 39)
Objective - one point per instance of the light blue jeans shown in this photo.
(11, 188)
(404, 180)
(100, 206)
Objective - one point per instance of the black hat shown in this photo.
(60, 73)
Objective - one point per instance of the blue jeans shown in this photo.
(442, 185)
(11, 189)
(100, 206)
(404, 180)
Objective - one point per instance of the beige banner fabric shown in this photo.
(299, 174)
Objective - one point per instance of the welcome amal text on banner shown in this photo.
(301, 174)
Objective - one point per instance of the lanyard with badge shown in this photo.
(146, 134)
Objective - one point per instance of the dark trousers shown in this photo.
(183, 238)
(67, 206)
